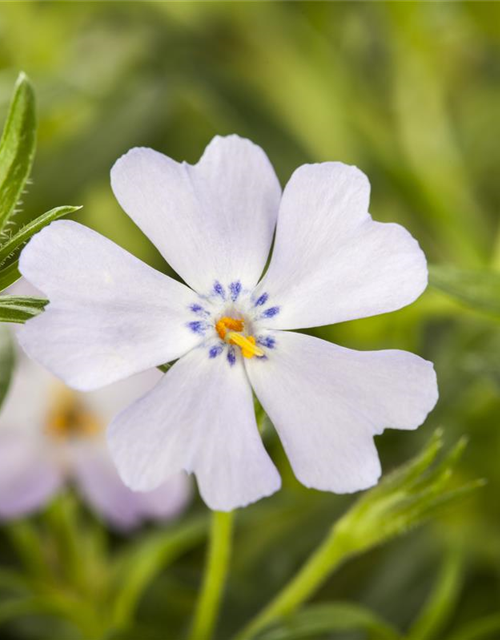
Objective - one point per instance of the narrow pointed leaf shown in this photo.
(318, 620)
(476, 288)
(16, 242)
(20, 309)
(17, 147)
(9, 275)
(165, 367)
(54, 604)
(7, 361)
(442, 601)
(143, 562)
(479, 629)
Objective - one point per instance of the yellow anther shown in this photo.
(229, 329)
(226, 324)
(68, 417)
(247, 344)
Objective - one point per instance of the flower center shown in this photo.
(231, 330)
(68, 417)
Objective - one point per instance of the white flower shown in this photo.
(111, 315)
(51, 435)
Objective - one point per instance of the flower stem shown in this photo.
(219, 552)
(327, 557)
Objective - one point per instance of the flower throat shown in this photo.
(231, 330)
(68, 417)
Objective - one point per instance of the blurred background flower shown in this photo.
(51, 435)
(408, 92)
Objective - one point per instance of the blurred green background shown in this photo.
(408, 92)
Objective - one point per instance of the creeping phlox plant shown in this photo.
(225, 335)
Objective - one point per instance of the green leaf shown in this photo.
(476, 288)
(442, 601)
(53, 604)
(16, 242)
(140, 565)
(405, 499)
(13, 581)
(165, 367)
(487, 628)
(27, 543)
(7, 361)
(9, 275)
(20, 309)
(17, 147)
(320, 619)
(20, 607)
(409, 472)
(63, 520)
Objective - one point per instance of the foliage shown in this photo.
(407, 92)
(17, 151)
(401, 501)
(20, 309)
(97, 591)
(17, 148)
(478, 289)
(7, 360)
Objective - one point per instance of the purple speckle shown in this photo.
(267, 341)
(231, 356)
(197, 327)
(235, 290)
(271, 312)
(215, 351)
(261, 300)
(197, 308)
(219, 290)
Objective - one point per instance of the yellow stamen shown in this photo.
(69, 417)
(225, 324)
(247, 344)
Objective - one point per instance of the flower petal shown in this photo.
(168, 500)
(28, 476)
(199, 418)
(328, 402)
(122, 508)
(110, 315)
(106, 403)
(331, 262)
(219, 213)
(32, 381)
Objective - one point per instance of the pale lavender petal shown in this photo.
(200, 418)
(212, 220)
(106, 494)
(169, 500)
(331, 262)
(110, 315)
(29, 477)
(327, 403)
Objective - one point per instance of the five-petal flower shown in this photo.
(110, 315)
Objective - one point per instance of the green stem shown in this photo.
(219, 552)
(327, 557)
